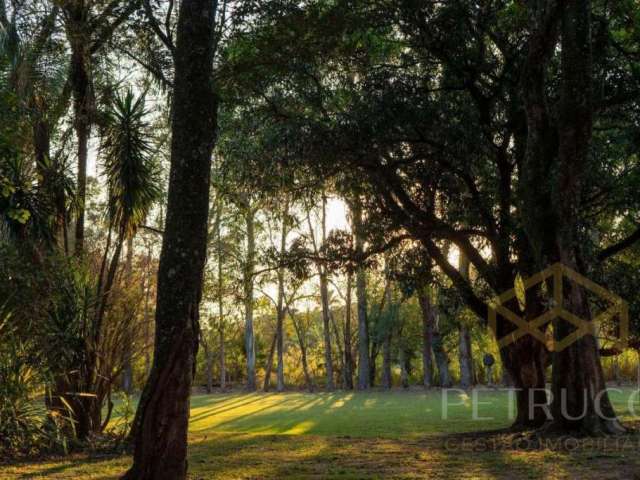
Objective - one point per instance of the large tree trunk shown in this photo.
(551, 206)
(580, 398)
(160, 443)
(361, 299)
(249, 337)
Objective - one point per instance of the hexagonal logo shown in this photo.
(618, 307)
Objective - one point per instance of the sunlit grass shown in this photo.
(353, 436)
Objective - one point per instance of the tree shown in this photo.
(88, 27)
(160, 452)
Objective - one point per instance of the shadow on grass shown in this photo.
(225, 456)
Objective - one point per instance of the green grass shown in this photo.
(357, 435)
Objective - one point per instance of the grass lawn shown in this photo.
(365, 435)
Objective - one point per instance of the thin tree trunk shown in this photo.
(326, 331)
(223, 373)
(326, 308)
(208, 353)
(303, 351)
(427, 337)
(338, 337)
(269, 365)
(223, 368)
(146, 321)
(388, 333)
(361, 299)
(249, 337)
(82, 110)
(160, 428)
(464, 338)
(348, 359)
(127, 369)
(280, 310)
(403, 359)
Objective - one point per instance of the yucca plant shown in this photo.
(129, 167)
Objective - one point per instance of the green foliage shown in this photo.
(23, 371)
(131, 171)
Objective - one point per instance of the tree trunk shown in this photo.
(442, 360)
(388, 333)
(160, 428)
(269, 365)
(78, 30)
(364, 382)
(326, 329)
(82, 108)
(223, 368)
(208, 352)
(223, 372)
(580, 398)
(386, 361)
(348, 359)
(249, 337)
(427, 337)
(326, 308)
(303, 352)
(404, 368)
(145, 318)
(280, 309)
(127, 369)
(551, 204)
(465, 356)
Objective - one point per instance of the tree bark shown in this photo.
(303, 352)
(127, 369)
(326, 308)
(348, 359)
(249, 337)
(361, 299)
(269, 365)
(280, 308)
(160, 428)
(427, 337)
(403, 359)
(580, 398)
(465, 356)
(223, 367)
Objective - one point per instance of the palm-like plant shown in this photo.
(132, 188)
(132, 175)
